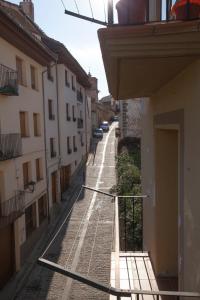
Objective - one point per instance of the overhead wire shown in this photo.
(76, 6)
(91, 9)
(104, 7)
(63, 4)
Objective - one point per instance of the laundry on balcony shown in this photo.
(8, 81)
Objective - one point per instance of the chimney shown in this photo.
(28, 8)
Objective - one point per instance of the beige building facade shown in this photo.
(45, 119)
(23, 187)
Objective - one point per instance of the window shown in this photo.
(49, 74)
(74, 144)
(73, 85)
(24, 124)
(52, 148)
(33, 78)
(50, 107)
(38, 166)
(36, 124)
(26, 174)
(73, 113)
(67, 112)
(30, 219)
(20, 71)
(82, 141)
(42, 208)
(66, 78)
(69, 150)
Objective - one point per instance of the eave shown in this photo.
(24, 41)
(139, 60)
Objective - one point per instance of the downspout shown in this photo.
(86, 147)
(45, 141)
(58, 123)
(45, 146)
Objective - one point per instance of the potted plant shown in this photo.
(186, 9)
(131, 11)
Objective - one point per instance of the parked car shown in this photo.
(105, 126)
(98, 133)
(115, 118)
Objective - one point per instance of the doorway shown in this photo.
(54, 187)
(167, 202)
(65, 177)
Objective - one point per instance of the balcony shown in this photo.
(79, 96)
(141, 56)
(8, 81)
(131, 273)
(80, 123)
(10, 146)
(12, 208)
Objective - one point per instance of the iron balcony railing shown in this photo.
(12, 208)
(130, 223)
(80, 123)
(10, 146)
(8, 81)
(164, 13)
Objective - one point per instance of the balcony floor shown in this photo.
(135, 272)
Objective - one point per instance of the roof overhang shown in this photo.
(24, 41)
(139, 60)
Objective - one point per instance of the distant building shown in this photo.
(130, 122)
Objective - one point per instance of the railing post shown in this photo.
(110, 12)
(125, 225)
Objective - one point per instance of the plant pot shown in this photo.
(181, 10)
(131, 11)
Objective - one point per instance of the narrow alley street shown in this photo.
(86, 240)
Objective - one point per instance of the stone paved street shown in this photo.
(86, 240)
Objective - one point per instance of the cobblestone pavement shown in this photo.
(85, 242)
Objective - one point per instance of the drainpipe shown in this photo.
(45, 140)
(58, 123)
(86, 147)
(45, 145)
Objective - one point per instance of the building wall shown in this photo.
(69, 128)
(31, 101)
(130, 118)
(52, 130)
(178, 97)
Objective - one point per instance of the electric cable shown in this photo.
(91, 9)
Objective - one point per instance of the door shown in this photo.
(7, 261)
(54, 186)
(65, 177)
(167, 202)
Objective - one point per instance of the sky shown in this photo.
(79, 36)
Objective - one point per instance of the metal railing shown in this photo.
(164, 13)
(12, 208)
(10, 146)
(8, 81)
(131, 223)
(119, 293)
(80, 123)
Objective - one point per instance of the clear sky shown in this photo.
(80, 37)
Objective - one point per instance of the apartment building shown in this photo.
(159, 63)
(45, 114)
(23, 186)
(130, 118)
(73, 110)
